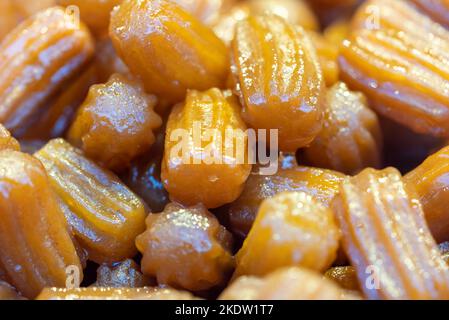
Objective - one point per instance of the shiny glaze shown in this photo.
(319, 183)
(56, 118)
(115, 123)
(95, 13)
(403, 68)
(345, 277)
(186, 248)
(124, 274)
(224, 28)
(28, 8)
(35, 243)
(436, 9)
(7, 141)
(328, 57)
(351, 138)
(205, 172)
(278, 79)
(384, 230)
(104, 214)
(294, 11)
(8, 292)
(284, 284)
(37, 59)
(430, 181)
(12, 12)
(207, 11)
(172, 51)
(93, 293)
(291, 229)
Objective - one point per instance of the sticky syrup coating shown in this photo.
(285, 284)
(278, 79)
(430, 183)
(104, 214)
(319, 183)
(8, 292)
(56, 118)
(328, 57)
(187, 248)
(294, 11)
(197, 169)
(123, 274)
(393, 64)
(7, 141)
(167, 56)
(344, 276)
(38, 58)
(438, 10)
(115, 123)
(382, 227)
(95, 13)
(45, 109)
(207, 11)
(12, 12)
(291, 229)
(351, 138)
(94, 293)
(35, 241)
